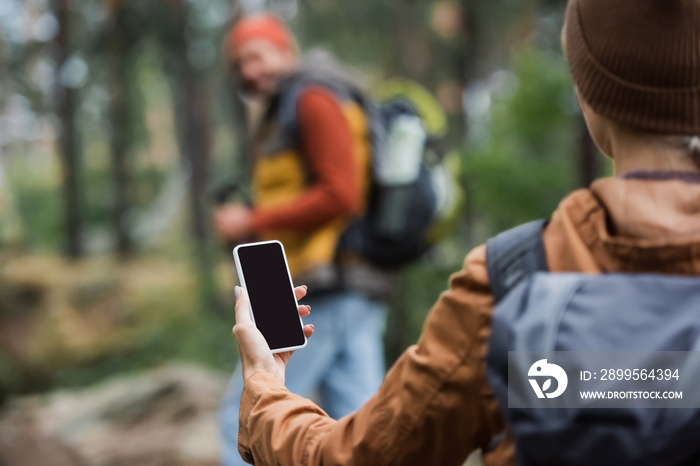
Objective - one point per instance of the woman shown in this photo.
(636, 67)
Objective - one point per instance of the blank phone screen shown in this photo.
(271, 294)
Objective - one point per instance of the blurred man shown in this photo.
(310, 181)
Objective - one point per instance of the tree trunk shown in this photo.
(67, 144)
(191, 103)
(194, 117)
(405, 37)
(192, 121)
(119, 115)
(466, 61)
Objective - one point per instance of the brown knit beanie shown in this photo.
(638, 61)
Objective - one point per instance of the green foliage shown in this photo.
(417, 289)
(38, 205)
(199, 337)
(363, 38)
(164, 318)
(527, 165)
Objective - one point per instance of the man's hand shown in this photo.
(254, 351)
(233, 222)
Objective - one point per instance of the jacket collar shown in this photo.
(631, 225)
(656, 208)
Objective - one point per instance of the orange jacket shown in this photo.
(307, 193)
(327, 145)
(435, 406)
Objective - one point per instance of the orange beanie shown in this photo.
(259, 26)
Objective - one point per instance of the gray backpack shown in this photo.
(595, 362)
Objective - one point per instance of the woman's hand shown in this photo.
(252, 347)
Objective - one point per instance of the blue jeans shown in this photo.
(342, 364)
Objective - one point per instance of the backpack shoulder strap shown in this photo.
(287, 110)
(295, 86)
(514, 255)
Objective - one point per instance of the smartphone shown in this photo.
(263, 272)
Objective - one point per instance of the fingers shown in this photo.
(219, 222)
(304, 310)
(300, 292)
(221, 214)
(308, 330)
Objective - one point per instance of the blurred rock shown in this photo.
(162, 417)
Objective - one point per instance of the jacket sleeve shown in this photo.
(327, 146)
(433, 408)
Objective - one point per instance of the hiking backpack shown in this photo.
(414, 198)
(615, 321)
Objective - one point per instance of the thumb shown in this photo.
(242, 306)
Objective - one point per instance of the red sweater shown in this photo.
(326, 144)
